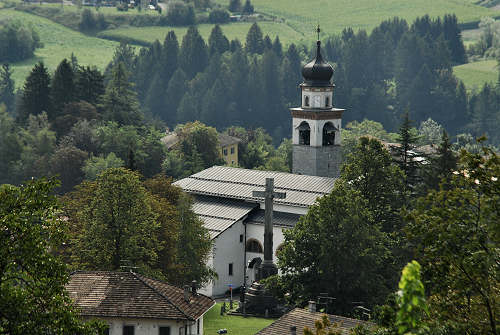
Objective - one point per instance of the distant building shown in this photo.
(294, 322)
(229, 149)
(132, 304)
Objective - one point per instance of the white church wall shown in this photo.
(151, 326)
(316, 139)
(208, 288)
(228, 249)
(256, 231)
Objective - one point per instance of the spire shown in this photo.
(317, 72)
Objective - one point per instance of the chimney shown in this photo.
(186, 293)
(312, 306)
(193, 287)
(293, 330)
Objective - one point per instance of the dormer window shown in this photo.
(304, 133)
(306, 101)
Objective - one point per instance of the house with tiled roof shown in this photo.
(132, 304)
(294, 322)
(223, 196)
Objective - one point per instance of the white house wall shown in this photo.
(151, 326)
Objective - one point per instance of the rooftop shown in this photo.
(237, 183)
(302, 318)
(130, 295)
(225, 140)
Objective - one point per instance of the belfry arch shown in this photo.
(304, 133)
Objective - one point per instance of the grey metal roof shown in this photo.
(218, 214)
(279, 218)
(225, 140)
(237, 183)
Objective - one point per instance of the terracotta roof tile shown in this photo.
(126, 294)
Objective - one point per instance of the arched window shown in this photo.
(327, 101)
(304, 133)
(306, 101)
(328, 134)
(254, 246)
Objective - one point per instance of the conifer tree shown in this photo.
(217, 42)
(234, 5)
(170, 56)
(248, 7)
(120, 101)
(89, 83)
(406, 156)
(441, 165)
(268, 45)
(7, 87)
(193, 54)
(277, 47)
(36, 93)
(254, 42)
(62, 88)
(453, 36)
(175, 90)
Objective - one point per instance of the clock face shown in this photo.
(317, 101)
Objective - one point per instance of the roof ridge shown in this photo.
(263, 171)
(161, 294)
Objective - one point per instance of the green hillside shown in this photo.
(475, 75)
(59, 42)
(335, 15)
(235, 30)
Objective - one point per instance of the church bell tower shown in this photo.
(316, 124)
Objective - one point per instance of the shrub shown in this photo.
(180, 14)
(87, 21)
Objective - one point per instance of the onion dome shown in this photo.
(317, 72)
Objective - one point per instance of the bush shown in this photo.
(218, 16)
(87, 21)
(17, 42)
(180, 14)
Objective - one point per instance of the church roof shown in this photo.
(237, 183)
(218, 214)
(130, 295)
(279, 218)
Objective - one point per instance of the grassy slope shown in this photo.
(335, 15)
(235, 30)
(474, 75)
(59, 42)
(213, 321)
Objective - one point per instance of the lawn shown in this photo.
(235, 325)
(59, 42)
(103, 10)
(475, 75)
(335, 15)
(234, 30)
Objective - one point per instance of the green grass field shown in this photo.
(475, 75)
(103, 10)
(59, 42)
(335, 15)
(239, 325)
(234, 30)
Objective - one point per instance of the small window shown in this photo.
(254, 246)
(230, 269)
(232, 150)
(306, 101)
(327, 101)
(198, 326)
(128, 330)
(163, 330)
(224, 151)
(241, 238)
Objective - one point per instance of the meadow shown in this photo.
(475, 75)
(335, 15)
(213, 321)
(59, 42)
(234, 30)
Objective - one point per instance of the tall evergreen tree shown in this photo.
(453, 37)
(63, 88)
(248, 7)
(120, 101)
(268, 45)
(170, 55)
(7, 88)
(89, 83)
(175, 90)
(194, 53)
(406, 157)
(234, 5)
(441, 165)
(217, 42)
(277, 47)
(255, 41)
(36, 93)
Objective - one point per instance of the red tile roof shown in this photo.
(130, 295)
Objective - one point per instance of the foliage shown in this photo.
(32, 295)
(7, 87)
(36, 93)
(234, 5)
(94, 166)
(411, 301)
(354, 130)
(455, 233)
(323, 326)
(247, 7)
(218, 16)
(180, 14)
(430, 132)
(17, 42)
(338, 224)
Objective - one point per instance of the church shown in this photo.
(225, 197)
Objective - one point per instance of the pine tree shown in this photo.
(175, 90)
(277, 47)
(62, 89)
(406, 156)
(89, 83)
(170, 55)
(36, 93)
(193, 54)
(248, 7)
(7, 88)
(441, 165)
(120, 101)
(234, 5)
(420, 97)
(217, 42)
(268, 45)
(255, 42)
(453, 36)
